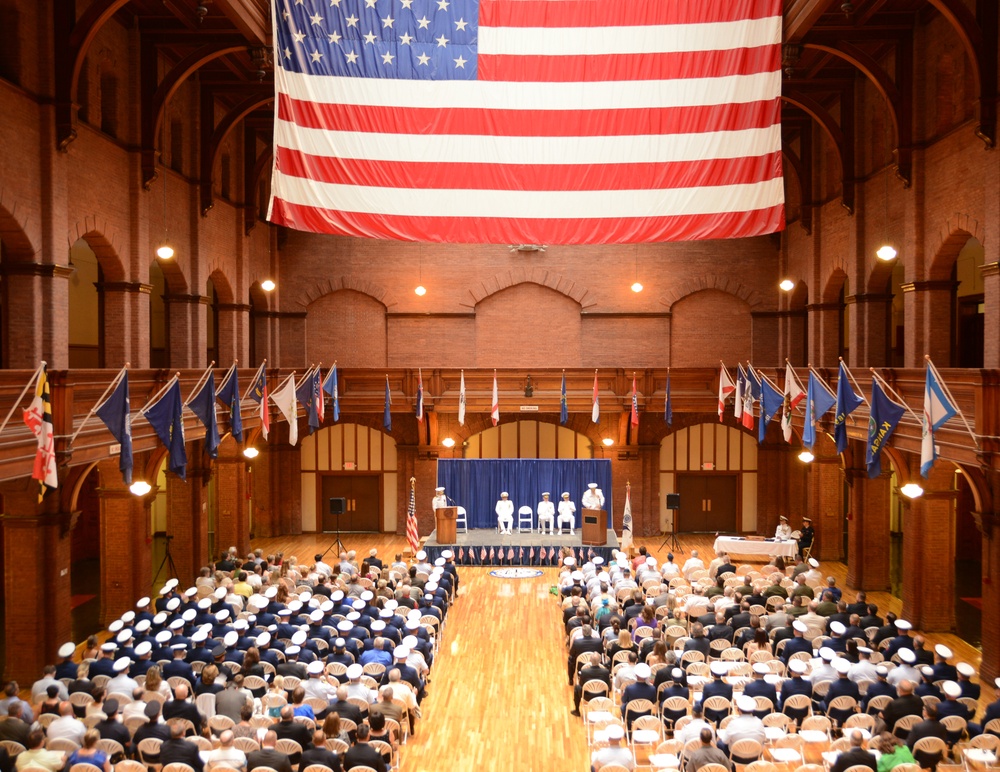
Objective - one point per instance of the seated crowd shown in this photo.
(718, 664)
(262, 664)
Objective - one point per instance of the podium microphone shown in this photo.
(451, 500)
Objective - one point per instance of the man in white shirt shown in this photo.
(567, 514)
(546, 511)
(321, 567)
(48, 679)
(226, 755)
(67, 726)
(440, 500)
(615, 752)
(693, 563)
(593, 497)
(692, 729)
(863, 670)
(783, 531)
(505, 514)
(122, 683)
(905, 670)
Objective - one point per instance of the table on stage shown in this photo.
(735, 545)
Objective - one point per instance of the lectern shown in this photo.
(446, 524)
(595, 527)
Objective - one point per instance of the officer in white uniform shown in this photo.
(546, 511)
(592, 498)
(439, 500)
(567, 514)
(783, 531)
(505, 514)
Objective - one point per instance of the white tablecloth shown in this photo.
(735, 546)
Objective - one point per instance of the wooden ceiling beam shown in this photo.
(801, 16)
(250, 17)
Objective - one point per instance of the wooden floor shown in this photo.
(499, 699)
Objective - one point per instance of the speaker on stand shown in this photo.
(673, 504)
(338, 506)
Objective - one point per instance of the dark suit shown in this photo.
(320, 756)
(910, 705)
(758, 687)
(294, 730)
(580, 646)
(842, 687)
(346, 710)
(794, 646)
(112, 730)
(721, 632)
(852, 757)
(268, 757)
(147, 731)
(590, 673)
(637, 691)
(716, 688)
(701, 644)
(183, 709)
(363, 755)
(878, 689)
(794, 686)
(180, 668)
(296, 669)
(181, 751)
(926, 729)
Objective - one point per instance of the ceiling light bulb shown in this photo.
(637, 287)
(806, 457)
(608, 442)
(912, 490)
(140, 487)
(787, 285)
(251, 452)
(421, 290)
(886, 252)
(164, 251)
(448, 442)
(267, 285)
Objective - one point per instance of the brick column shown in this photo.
(126, 323)
(126, 563)
(825, 484)
(286, 500)
(186, 320)
(187, 518)
(232, 506)
(36, 574)
(991, 320)
(232, 337)
(869, 328)
(929, 554)
(925, 304)
(824, 332)
(989, 524)
(868, 536)
(36, 314)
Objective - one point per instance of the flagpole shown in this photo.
(201, 382)
(309, 372)
(160, 393)
(225, 377)
(850, 375)
(952, 398)
(892, 391)
(795, 374)
(97, 405)
(820, 379)
(31, 380)
(253, 381)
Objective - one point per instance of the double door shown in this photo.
(708, 502)
(362, 494)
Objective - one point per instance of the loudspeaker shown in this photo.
(338, 506)
(673, 501)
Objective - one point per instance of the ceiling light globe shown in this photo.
(164, 251)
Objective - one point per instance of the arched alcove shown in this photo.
(159, 342)
(528, 439)
(694, 329)
(353, 462)
(347, 326)
(86, 317)
(541, 325)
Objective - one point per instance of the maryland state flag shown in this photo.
(38, 418)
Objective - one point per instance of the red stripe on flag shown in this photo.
(499, 230)
(469, 176)
(529, 123)
(619, 13)
(672, 65)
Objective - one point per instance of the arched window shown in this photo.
(159, 349)
(85, 317)
(968, 336)
(212, 324)
(528, 439)
(10, 42)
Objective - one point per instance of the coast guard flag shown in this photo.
(167, 419)
(563, 408)
(308, 393)
(115, 413)
(937, 410)
(819, 399)
(461, 401)
(882, 421)
(330, 387)
(528, 121)
(847, 403)
(284, 398)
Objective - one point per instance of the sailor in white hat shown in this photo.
(784, 530)
(642, 689)
(592, 498)
(906, 669)
(842, 687)
(615, 753)
(943, 671)
(993, 709)
(440, 500)
(902, 639)
(546, 512)
(965, 674)
(505, 514)
(745, 726)
(567, 514)
(317, 684)
(66, 667)
(122, 682)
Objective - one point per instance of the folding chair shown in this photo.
(462, 520)
(525, 515)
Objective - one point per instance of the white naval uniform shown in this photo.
(567, 515)
(505, 515)
(439, 501)
(593, 498)
(783, 532)
(546, 511)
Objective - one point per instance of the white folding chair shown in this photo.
(462, 520)
(525, 515)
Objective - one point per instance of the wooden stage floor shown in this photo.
(499, 700)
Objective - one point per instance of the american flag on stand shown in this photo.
(412, 534)
(461, 554)
(531, 555)
(510, 553)
(482, 555)
(493, 555)
(528, 121)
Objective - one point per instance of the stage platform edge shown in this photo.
(518, 549)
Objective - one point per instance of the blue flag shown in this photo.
(387, 413)
(668, 411)
(847, 403)
(115, 413)
(753, 382)
(819, 399)
(202, 404)
(938, 409)
(229, 395)
(771, 401)
(882, 421)
(167, 419)
(307, 394)
(563, 408)
(330, 387)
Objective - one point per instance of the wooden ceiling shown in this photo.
(831, 46)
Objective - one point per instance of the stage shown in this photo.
(487, 547)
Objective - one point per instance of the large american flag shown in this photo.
(528, 121)
(412, 534)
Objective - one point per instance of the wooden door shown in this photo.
(362, 494)
(708, 503)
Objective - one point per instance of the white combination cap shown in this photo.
(943, 651)
(837, 628)
(841, 665)
(67, 649)
(231, 638)
(315, 667)
(813, 562)
(642, 670)
(952, 689)
(421, 555)
(746, 704)
(965, 669)
(121, 664)
(143, 649)
(907, 656)
(902, 624)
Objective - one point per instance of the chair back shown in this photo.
(746, 748)
(205, 704)
(336, 745)
(288, 747)
(148, 747)
(219, 723)
(83, 766)
(246, 744)
(111, 747)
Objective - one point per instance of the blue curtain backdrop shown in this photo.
(476, 483)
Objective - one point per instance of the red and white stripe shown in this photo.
(412, 534)
(495, 410)
(653, 121)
